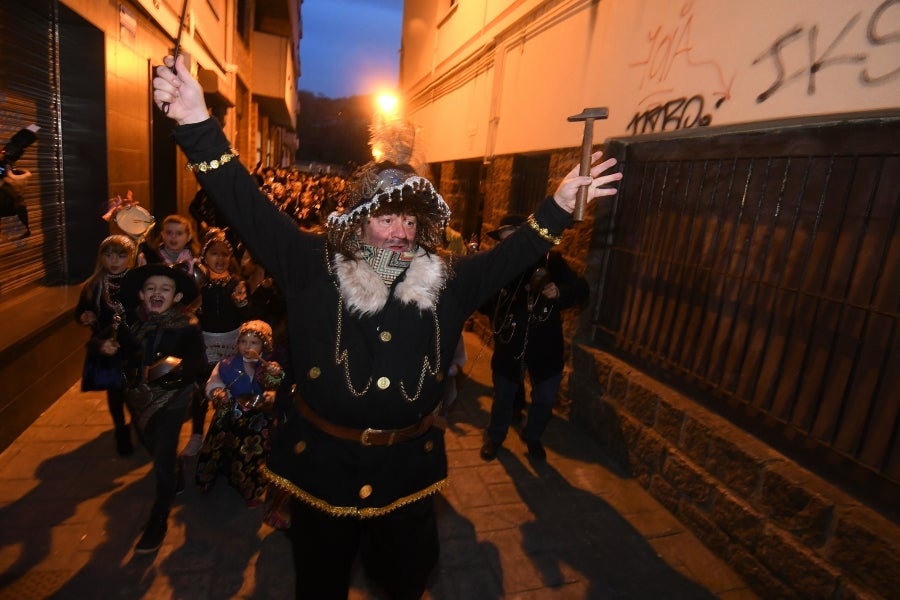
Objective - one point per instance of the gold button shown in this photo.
(429, 446)
(299, 447)
(385, 336)
(314, 372)
(383, 383)
(365, 491)
(439, 377)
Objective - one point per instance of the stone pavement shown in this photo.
(573, 527)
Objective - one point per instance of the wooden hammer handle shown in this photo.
(587, 144)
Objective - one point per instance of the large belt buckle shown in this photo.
(364, 438)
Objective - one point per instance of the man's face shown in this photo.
(390, 231)
(159, 294)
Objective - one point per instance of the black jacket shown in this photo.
(363, 355)
(527, 327)
(147, 341)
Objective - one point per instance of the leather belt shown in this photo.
(366, 437)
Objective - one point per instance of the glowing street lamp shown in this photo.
(387, 104)
(391, 137)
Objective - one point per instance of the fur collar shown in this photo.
(366, 294)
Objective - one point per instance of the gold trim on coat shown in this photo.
(349, 511)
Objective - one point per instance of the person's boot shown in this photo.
(154, 534)
(489, 450)
(124, 447)
(536, 450)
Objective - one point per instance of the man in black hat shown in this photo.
(374, 316)
(164, 356)
(527, 327)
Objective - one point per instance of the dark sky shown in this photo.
(350, 47)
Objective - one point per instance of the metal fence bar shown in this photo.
(691, 265)
(675, 270)
(759, 396)
(803, 410)
(752, 361)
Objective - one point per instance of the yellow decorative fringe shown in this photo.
(349, 511)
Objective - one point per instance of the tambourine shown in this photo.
(250, 401)
(134, 220)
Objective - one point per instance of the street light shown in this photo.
(391, 136)
(387, 104)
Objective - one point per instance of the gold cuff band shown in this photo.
(215, 163)
(543, 231)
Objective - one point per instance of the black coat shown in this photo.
(527, 327)
(147, 341)
(363, 355)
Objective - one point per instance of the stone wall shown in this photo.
(788, 533)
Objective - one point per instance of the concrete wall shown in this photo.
(501, 76)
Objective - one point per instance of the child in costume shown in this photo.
(164, 356)
(242, 389)
(223, 307)
(179, 245)
(100, 308)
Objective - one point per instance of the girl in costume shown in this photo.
(178, 245)
(100, 308)
(223, 307)
(242, 389)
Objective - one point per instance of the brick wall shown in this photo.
(788, 533)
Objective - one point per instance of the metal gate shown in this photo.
(758, 268)
(29, 95)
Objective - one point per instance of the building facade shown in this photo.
(81, 71)
(83, 74)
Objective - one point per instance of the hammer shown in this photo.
(587, 143)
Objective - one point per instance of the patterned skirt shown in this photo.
(236, 446)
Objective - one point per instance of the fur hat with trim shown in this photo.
(387, 188)
(133, 282)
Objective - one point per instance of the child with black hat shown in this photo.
(164, 356)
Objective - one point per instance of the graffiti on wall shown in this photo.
(669, 45)
(681, 83)
(855, 43)
(680, 113)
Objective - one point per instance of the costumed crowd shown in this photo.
(319, 318)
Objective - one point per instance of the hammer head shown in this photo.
(599, 112)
